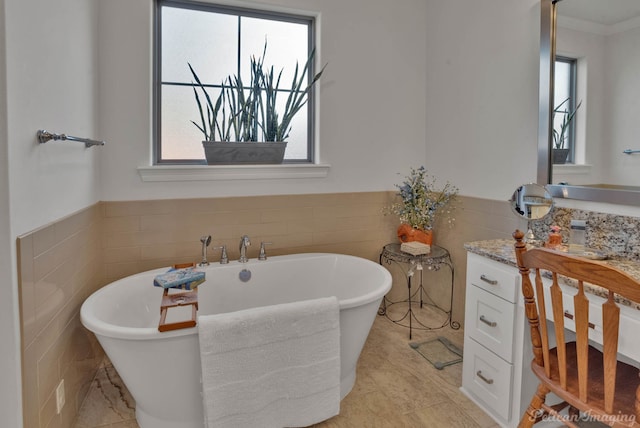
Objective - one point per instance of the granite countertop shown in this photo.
(502, 250)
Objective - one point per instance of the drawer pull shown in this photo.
(569, 315)
(484, 278)
(487, 322)
(487, 381)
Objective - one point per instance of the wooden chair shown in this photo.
(586, 379)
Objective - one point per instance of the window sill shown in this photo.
(231, 172)
(571, 169)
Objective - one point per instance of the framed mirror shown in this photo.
(603, 38)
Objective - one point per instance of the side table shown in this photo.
(437, 258)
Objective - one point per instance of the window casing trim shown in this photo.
(168, 173)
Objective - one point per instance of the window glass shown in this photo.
(208, 41)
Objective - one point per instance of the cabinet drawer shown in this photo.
(491, 321)
(488, 378)
(492, 276)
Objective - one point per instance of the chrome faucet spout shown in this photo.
(263, 253)
(244, 243)
(224, 259)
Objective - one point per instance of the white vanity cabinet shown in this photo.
(496, 368)
(496, 372)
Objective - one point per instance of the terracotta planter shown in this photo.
(244, 153)
(407, 233)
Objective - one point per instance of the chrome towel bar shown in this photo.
(44, 136)
(630, 152)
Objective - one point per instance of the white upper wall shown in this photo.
(48, 80)
(372, 99)
(588, 49)
(622, 52)
(9, 326)
(467, 110)
(482, 94)
(51, 84)
(609, 87)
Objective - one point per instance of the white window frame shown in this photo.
(177, 168)
(573, 94)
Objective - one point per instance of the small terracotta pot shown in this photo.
(407, 233)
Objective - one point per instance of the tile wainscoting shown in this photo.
(142, 235)
(60, 264)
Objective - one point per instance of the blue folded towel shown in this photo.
(184, 279)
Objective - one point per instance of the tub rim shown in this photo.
(105, 329)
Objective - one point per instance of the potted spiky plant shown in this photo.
(560, 135)
(243, 124)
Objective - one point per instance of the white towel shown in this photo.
(273, 366)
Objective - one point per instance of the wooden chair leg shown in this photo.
(534, 411)
(574, 414)
(637, 406)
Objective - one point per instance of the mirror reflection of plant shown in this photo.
(250, 113)
(567, 116)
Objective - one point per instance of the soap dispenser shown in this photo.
(577, 236)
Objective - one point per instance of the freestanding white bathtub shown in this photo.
(162, 370)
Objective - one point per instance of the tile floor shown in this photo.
(395, 386)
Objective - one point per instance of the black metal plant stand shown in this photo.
(436, 259)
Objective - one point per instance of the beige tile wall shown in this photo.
(476, 219)
(143, 235)
(59, 266)
(62, 263)
(147, 234)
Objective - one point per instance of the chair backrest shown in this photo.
(581, 271)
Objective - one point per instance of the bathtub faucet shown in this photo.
(263, 252)
(224, 259)
(206, 240)
(244, 243)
